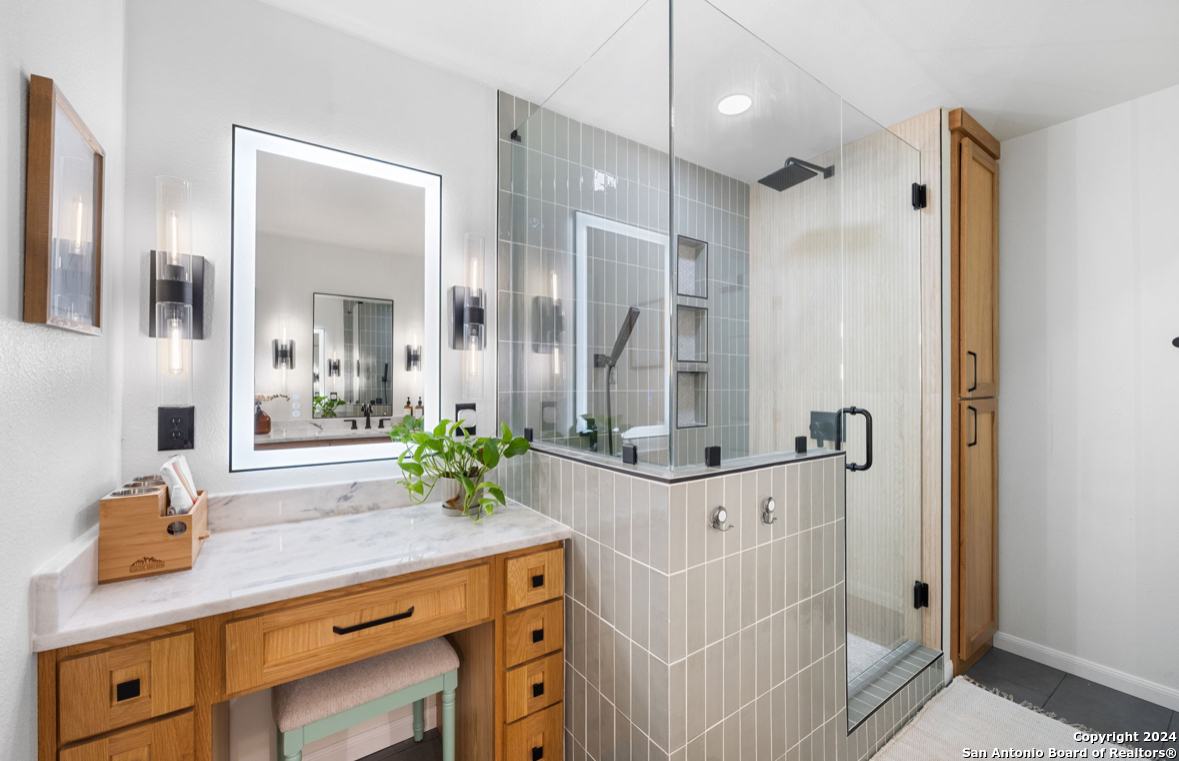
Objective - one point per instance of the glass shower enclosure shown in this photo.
(701, 246)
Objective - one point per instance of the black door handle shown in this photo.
(974, 418)
(974, 383)
(868, 430)
(371, 624)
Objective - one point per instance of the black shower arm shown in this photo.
(826, 171)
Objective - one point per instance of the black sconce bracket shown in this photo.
(182, 292)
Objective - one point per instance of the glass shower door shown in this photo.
(882, 401)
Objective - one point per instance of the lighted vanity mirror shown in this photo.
(335, 298)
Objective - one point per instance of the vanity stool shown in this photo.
(322, 704)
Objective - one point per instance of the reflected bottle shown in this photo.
(408, 407)
(419, 411)
(261, 420)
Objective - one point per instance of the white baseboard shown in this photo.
(373, 738)
(1168, 697)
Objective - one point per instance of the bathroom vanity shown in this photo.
(144, 669)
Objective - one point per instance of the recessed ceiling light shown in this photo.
(734, 104)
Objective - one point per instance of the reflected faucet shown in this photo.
(367, 409)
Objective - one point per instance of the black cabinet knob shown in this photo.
(538, 581)
(538, 690)
(537, 635)
(538, 754)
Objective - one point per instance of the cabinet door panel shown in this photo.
(978, 296)
(978, 554)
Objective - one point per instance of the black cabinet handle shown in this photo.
(371, 624)
(126, 690)
(538, 754)
(537, 635)
(868, 442)
(538, 689)
(538, 581)
(974, 418)
(974, 383)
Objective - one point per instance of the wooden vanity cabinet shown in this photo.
(162, 695)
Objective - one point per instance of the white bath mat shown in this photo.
(965, 715)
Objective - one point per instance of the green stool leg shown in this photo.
(446, 721)
(419, 719)
(290, 745)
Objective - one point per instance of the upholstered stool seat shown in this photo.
(316, 706)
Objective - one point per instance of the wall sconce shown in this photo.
(333, 368)
(468, 317)
(283, 350)
(548, 323)
(413, 355)
(177, 314)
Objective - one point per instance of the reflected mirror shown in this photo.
(336, 261)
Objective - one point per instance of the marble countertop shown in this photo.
(252, 566)
(292, 431)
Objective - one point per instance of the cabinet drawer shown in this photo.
(534, 632)
(124, 685)
(535, 686)
(535, 578)
(539, 737)
(293, 642)
(163, 740)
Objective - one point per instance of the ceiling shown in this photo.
(301, 199)
(1016, 65)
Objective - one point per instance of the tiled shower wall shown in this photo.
(684, 643)
(561, 167)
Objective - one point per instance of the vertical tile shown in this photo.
(749, 585)
(696, 603)
(733, 594)
(738, 517)
(593, 722)
(585, 480)
(640, 608)
(715, 497)
(660, 614)
(765, 656)
(750, 510)
(677, 637)
(593, 576)
(622, 673)
(607, 669)
(749, 664)
(777, 576)
(640, 512)
(606, 510)
(640, 689)
(715, 665)
(749, 731)
(660, 697)
(732, 677)
(715, 744)
(606, 583)
(715, 604)
(622, 593)
(566, 480)
(677, 521)
(678, 705)
(622, 514)
(696, 527)
(778, 725)
(805, 508)
(765, 489)
(732, 727)
(840, 487)
(829, 497)
(806, 586)
(697, 694)
(659, 529)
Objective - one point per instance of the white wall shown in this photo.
(196, 69)
(1089, 396)
(59, 433)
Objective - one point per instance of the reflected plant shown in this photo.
(324, 406)
(448, 453)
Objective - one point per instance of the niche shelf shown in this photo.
(691, 389)
(691, 267)
(691, 334)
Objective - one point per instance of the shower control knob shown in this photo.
(720, 516)
(768, 506)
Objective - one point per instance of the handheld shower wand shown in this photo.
(610, 361)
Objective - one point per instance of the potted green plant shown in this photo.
(450, 458)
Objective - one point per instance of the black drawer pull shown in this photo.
(126, 690)
(538, 581)
(538, 754)
(537, 635)
(538, 689)
(974, 416)
(974, 383)
(371, 624)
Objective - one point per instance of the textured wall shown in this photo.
(59, 434)
(194, 70)
(1087, 415)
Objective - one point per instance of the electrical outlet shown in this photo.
(175, 428)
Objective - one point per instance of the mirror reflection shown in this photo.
(339, 306)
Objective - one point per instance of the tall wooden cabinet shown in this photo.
(974, 273)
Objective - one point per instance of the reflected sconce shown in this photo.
(548, 323)
(468, 321)
(333, 368)
(413, 355)
(283, 350)
(177, 315)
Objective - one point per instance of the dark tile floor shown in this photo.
(1073, 699)
(429, 749)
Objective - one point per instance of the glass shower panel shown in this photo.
(584, 318)
(881, 372)
(765, 230)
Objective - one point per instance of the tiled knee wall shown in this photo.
(684, 643)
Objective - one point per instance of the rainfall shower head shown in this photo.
(794, 172)
(628, 324)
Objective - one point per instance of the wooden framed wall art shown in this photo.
(63, 215)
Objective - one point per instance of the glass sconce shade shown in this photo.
(173, 216)
(174, 353)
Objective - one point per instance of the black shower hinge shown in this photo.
(920, 595)
(920, 196)
(516, 136)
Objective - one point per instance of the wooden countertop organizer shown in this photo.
(137, 537)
